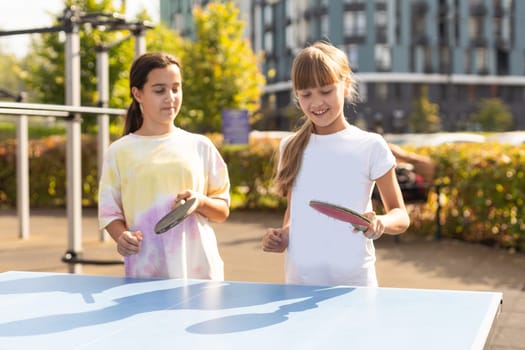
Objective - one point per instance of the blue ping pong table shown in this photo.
(73, 311)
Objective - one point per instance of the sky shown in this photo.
(29, 14)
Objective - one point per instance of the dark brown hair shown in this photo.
(138, 76)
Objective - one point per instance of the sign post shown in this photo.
(235, 126)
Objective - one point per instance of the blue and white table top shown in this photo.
(69, 311)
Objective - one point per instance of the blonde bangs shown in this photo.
(312, 70)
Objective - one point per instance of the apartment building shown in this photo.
(462, 50)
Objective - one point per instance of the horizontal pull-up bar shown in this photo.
(32, 112)
(15, 107)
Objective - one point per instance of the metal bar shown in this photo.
(61, 108)
(74, 147)
(32, 112)
(102, 119)
(22, 172)
(31, 31)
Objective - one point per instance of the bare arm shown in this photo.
(215, 209)
(128, 243)
(395, 220)
(276, 239)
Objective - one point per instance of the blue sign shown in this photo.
(235, 126)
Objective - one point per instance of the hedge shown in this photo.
(481, 186)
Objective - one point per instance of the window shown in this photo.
(290, 11)
(381, 91)
(383, 57)
(355, 23)
(325, 26)
(481, 60)
(444, 58)
(381, 18)
(467, 62)
(352, 51)
(268, 42)
(268, 18)
(289, 33)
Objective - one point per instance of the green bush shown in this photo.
(481, 193)
(251, 170)
(47, 172)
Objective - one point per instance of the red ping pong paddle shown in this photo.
(357, 220)
(175, 216)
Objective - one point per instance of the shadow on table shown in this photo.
(157, 295)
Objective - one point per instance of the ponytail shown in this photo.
(290, 161)
(133, 118)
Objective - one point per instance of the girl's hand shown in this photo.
(187, 194)
(376, 228)
(275, 240)
(215, 209)
(128, 243)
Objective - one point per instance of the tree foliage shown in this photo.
(492, 115)
(220, 69)
(44, 67)
(10, 86)
(425, 114)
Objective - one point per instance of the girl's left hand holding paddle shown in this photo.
(376, 228)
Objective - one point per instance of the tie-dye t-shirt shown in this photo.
(140, 179)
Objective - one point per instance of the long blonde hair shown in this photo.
(317, 65)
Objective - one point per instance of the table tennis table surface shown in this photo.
(75, 311)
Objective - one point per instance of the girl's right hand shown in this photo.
(275, 240)
(129, 242)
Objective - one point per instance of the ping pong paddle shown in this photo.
(338, 212)
(176, 215)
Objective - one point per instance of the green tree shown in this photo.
(44, 67)
(220, 69)
(10, 83)
(425, 114)
(45, 64)
(492, 115)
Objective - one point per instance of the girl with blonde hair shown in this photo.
(330, 160)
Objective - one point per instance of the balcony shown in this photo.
(355, 6)
(381, 6)
(381, 35)
(499, 11)
(443, 9)
(478, 42)
(428, 69)
(444, 40)
(315, 11)
(483, 71)
(419, 8)
(354, 39)
(478, 10)
(445, 68)
(501, 43)
(421, 40)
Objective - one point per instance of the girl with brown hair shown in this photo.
(154, 166)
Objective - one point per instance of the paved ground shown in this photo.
(410, 262)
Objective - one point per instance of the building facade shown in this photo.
(462, 50)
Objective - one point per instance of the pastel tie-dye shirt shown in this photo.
(140, 179)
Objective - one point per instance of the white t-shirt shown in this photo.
(339, 168)
(140, 180)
